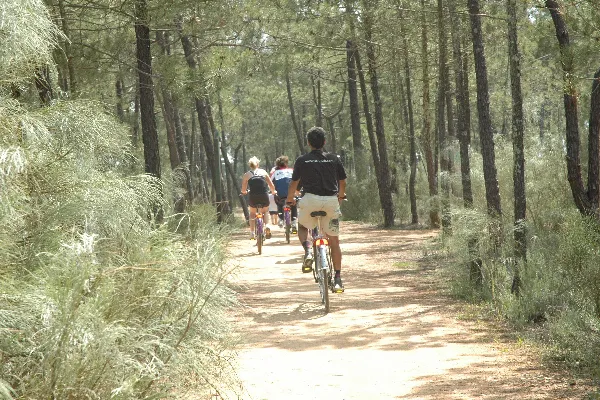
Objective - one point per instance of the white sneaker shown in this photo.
(280, 224)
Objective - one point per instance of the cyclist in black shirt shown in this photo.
(324, 184)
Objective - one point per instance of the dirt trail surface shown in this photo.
(391, 335)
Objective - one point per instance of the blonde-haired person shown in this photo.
(256, 183)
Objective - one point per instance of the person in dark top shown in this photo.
(256, 182)
(324, 184)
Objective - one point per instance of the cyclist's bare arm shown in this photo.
(291, 191)
(244, 183)
(270, 183)
(341, 190)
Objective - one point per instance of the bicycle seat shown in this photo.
(318, 214)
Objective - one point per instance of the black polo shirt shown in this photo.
(319, 173)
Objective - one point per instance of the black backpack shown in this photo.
(257, 184)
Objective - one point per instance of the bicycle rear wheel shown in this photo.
(288, 224)
(259, 234)
(323, 276)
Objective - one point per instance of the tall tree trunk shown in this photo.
(203, 110)
(462, 102)
(316, 85)
(429, 142)
(586, 202)
(232, 184)
(357, 147)
(72, 88)
(520, 204)
(443, 123)
(367, 112)
(492, 191)
(119, 106)
(299, 135)
(383, 178)
(144, 64)
(198, 162)
(224, 208)
(411, 128)
(135, 130)
(167, 110)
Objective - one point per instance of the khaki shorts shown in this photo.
(329, 204)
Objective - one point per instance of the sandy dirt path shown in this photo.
(391, 335)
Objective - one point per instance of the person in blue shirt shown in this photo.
(281, 177)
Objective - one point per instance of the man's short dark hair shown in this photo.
(316, 137)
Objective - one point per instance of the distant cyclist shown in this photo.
(324, 184)
(281, 177)
(256, 183)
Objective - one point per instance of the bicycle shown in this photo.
(259, 228)
(323, 265)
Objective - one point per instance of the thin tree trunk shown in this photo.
(383, 177)
(357, 146)
(462, 102)
(232, 184)
(67, 48)
(203, 110)
(224, 208)
(429, 142)
(297, 130)
(520, 204)
(119, 106)
(444, 123)
(411, 129)
(135, 132)
(316, 85)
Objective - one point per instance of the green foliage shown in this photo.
(95, 301)
(363, 202)
(26, 33)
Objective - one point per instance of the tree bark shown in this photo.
(429, 142)
(492, 191)
(520, 204)
(144, 63)
(357, 147)
(367, 112)
(585, 204)
(462, 103)
(383, 177)
(297, 129)
(203, 110)
(444, 118)
(411, 127)
(119, 93)
(72, 88)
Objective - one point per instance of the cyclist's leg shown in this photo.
(336, 252)
(280, 205)
(252, 220)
